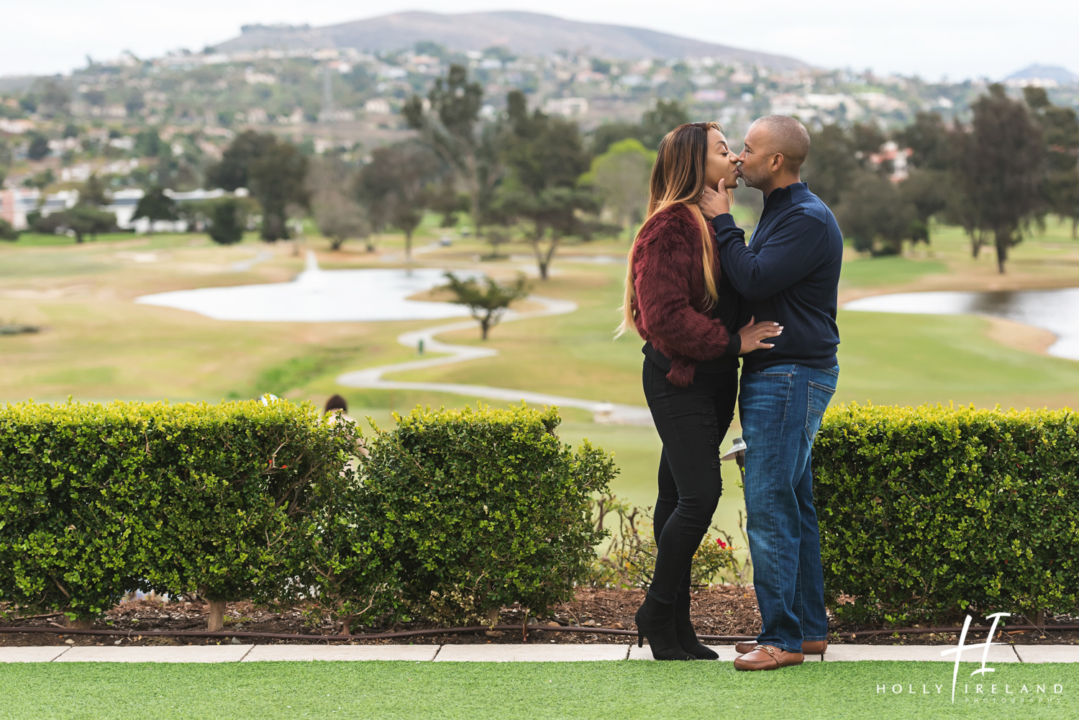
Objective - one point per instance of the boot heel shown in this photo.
(640, 638)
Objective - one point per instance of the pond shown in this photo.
(1054, 310)
(318, 295)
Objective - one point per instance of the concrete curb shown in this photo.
(501, 653)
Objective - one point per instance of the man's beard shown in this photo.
(750, 179)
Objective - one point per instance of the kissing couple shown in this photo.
(701, 298)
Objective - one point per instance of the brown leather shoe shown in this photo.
(768, 657)
(809, 647)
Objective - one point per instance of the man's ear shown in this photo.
(778, 161)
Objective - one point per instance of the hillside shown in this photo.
(521, 32)
(1054, 73)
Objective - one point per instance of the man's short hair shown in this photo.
(790, 138)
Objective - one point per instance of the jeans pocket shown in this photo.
(819, 397)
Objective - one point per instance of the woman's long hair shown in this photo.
(677, 177)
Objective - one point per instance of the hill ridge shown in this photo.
(523, 32)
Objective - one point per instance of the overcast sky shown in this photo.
(932, 38)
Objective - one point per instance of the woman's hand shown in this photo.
(714, 203)
(754, 333)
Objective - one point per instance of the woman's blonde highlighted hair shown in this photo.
(677, 177)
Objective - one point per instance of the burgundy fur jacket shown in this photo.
(671, 301)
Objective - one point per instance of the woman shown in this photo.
(677, 301)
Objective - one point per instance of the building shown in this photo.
(567, 107)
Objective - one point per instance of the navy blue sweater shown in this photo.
(788, 273)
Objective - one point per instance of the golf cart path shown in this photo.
(372, 378)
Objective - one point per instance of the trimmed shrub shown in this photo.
(96, 500)
(931, 511)
(477, 509)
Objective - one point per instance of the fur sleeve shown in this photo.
(664, 264)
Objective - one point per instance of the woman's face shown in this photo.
(720, 163)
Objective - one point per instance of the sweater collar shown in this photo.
(782, 197)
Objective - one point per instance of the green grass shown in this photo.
(885, 271)
(894, 359)
(624, 690)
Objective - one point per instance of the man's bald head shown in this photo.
(786, 136)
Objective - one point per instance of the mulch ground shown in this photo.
(721, 610)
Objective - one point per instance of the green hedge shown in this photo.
(96, 500)
(928, 512)
(477, 509)
(453, 513)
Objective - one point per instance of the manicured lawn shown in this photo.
(627, 690)
(884, 271)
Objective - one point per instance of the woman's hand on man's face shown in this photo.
(715, 202)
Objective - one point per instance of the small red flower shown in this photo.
(721, 543)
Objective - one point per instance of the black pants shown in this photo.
(691, 422)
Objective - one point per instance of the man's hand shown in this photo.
(755, 333)
(714, 204)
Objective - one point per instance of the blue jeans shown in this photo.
(781, 409)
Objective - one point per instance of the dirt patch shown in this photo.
(1019, 336)
(722, 610)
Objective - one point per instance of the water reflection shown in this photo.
(1054, 310)
(318, 295)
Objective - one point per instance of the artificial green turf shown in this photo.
(529, 690)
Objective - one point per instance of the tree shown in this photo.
(149, 144)
(1060, 127)
(875, 216)
(449, 128)
(7, 232)
(228, 218)
(338, 216)
(960, 207)
(831, 165)
(610, 133)
(928, 137)
(81, 220)
(866, 139)
(545, 158)
(496, 236)
(397, 178)
(39, 147)
(155, 205)
(487, 304)
(40, 180)
(92, 193)
(620, 178)
(926, 191)
(660, 120)
(277, 180)
(1002, 173)
(231, 172)
(55, 99)
(447, 202)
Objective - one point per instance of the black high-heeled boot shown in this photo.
(655, 621)
(687, 636)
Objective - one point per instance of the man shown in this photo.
(789, 273)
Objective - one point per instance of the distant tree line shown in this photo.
(525, 174)
(529, 175)
(996, 176)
